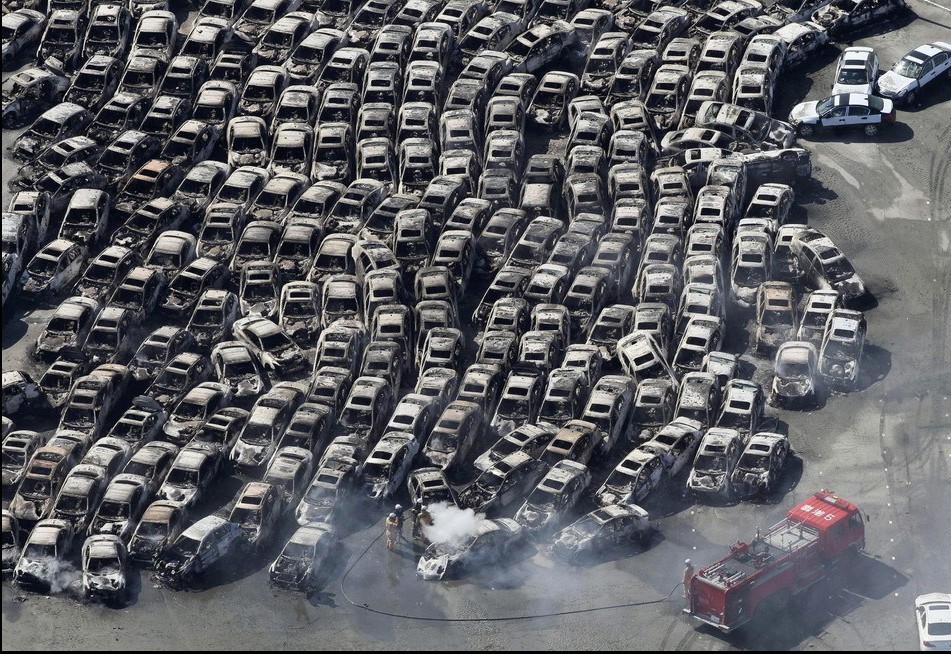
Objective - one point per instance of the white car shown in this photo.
(856, 71)
(933, 613)
(916, 69)
(843, 110)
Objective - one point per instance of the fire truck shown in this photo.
(785, 560)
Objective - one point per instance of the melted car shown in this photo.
(761, 465)
(161, 524)
(843, 348)
(105, 568)
(493, 540)
(305, 559)
(603, 528)
(197, 549)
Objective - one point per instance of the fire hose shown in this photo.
(531, 616)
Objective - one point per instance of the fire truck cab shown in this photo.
(775, 565)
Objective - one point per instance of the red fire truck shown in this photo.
(791, 556)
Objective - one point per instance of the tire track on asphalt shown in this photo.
(938, 178)
(911, 449)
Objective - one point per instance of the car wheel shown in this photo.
(912, 98)
(806, 130)
(871, 130)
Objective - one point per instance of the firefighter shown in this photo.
(417, 527)
(688, 575)
(425, 520)
(398, 509)
(392, 531)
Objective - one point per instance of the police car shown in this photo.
(916, 69)
(856, 71)
(843, 110)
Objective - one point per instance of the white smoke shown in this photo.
(452, 524)
(59, 575)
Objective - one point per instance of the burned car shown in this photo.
(197, 549)
(61, 122)
(459, 427)
(746, 125)
(322, 501)
(506, 481)
(104, 560)
(549, 104)
(776, 314)
(193, 409)
(138, 426)
(160, 525)
(76, 149)
(305, 559)
(761, 465)
(843, 16)
(824, 265)
(743, 407)
(493, 540)
(54, 268)
(235, 365)
(675, 444)
(18, 449)
(299, 311)
(12, 543)
(603, 528)
(289, 472)
(556, 494)
(633, 479)
(256, 512)
(794, 379)
(843, 348)
(46, 549)
(22, 28)
(576, 440)
(388, 463)
(30, 92)
(530, 438)
(716, 460)
(58, 379)
(63, 39)
(276, 351)
(122, 505)
(190, 475)
(177, 377)
(633, 77)
(540, 45)
(752, 253)
(220, 432)
(158, 348)
(268, 419)
(68, 327)
(788, 164)
(308, 58)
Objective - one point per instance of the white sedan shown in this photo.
(856, 71)
(842, 110)
(916, 69)
(933, 614)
